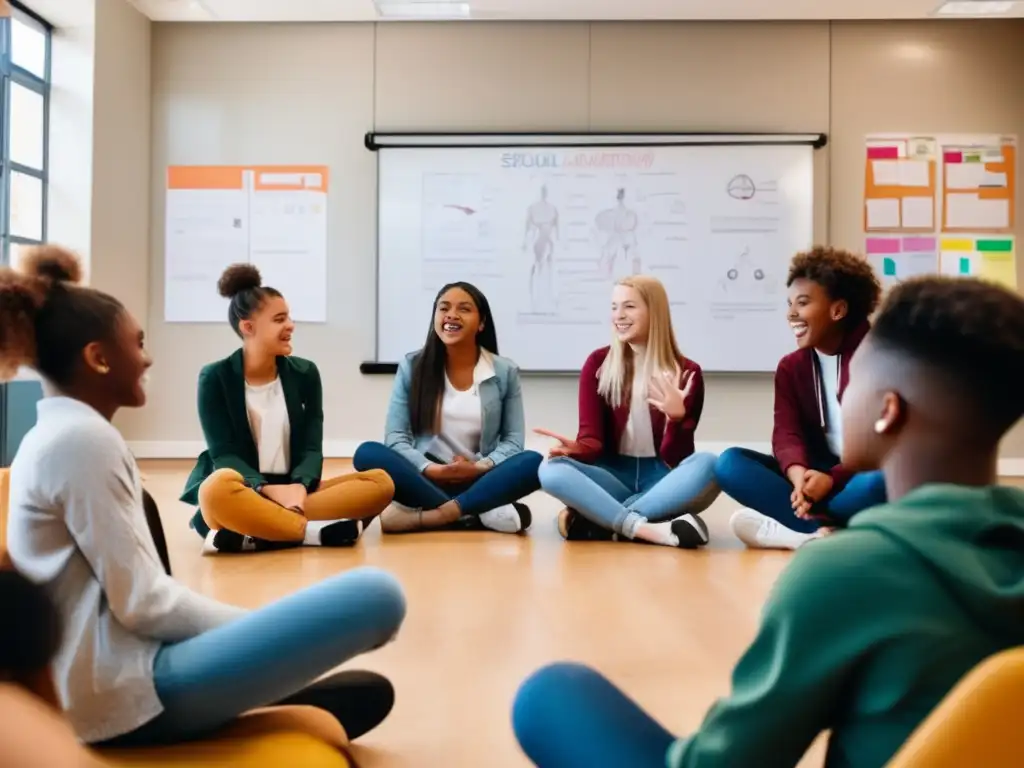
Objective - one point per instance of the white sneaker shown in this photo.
(504, 519)
(762, 532)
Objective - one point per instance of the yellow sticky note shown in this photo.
(999, 268)
(957, 244)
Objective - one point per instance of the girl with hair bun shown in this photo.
(258, 483)
(144, 659)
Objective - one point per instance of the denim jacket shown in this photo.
(503, 429)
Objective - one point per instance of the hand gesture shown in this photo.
(460, 470)
(664, 395)
(288, 496)
(566, 446)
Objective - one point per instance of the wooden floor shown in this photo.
(487, 609)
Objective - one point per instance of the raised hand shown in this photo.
(668, 398)
(566, 445)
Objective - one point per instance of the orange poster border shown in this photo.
(228, 177)
(874, 191)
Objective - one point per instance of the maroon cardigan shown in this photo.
(601, 426)
(798, 438)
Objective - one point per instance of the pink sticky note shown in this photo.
(953, 157)
(919, 245)
(883, 245)
(883, 153)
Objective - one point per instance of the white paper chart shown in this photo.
(545, 232)
(274, 217)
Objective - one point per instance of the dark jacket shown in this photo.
(229, 441)
(601, 426)
(798, 438)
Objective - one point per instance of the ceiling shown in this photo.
(522, 10)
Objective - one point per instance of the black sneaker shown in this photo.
(359, 700)
(691, 531)
(229, 542)
(575, 527)
(344, 533)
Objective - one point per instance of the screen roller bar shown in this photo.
(424, 140)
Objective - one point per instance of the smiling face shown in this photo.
(456, 317)
(815, 318)
(630, 317)
(126, 357)
(270, 327)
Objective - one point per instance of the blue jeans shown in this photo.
(505, 483)
(617, 490)
(756, 481)
(569, 716)
(207, 681)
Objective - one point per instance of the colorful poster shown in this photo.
(897, 258)
(900, 184)
(979, 185)
(983, 256)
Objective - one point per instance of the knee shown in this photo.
(551, 470)
(218, 486)
(381, 479)
(531, 461)
(368, 455)
(540, 702)
(727, 463)
(383, 595)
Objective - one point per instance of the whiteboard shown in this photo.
(545, 232)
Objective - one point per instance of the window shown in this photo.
(24, 117)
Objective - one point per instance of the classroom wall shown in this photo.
(250, 93)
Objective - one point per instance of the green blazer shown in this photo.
(225, 423)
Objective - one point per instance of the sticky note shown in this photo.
(883, 245)
(965, 265)
(889, 267)
(995, 246)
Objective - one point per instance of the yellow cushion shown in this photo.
(272, 750)
(274, 736)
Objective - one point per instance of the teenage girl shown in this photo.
(143, 658)
(866, 632)
(455, 428)
(258, 482)
(632, 464)
(804, 486)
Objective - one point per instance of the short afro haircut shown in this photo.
(844, 276)
(969, 331)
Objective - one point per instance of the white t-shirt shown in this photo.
(638, 436)
(271, 429)
(830, 394)
(462, 413)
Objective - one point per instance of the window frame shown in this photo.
(10, 74)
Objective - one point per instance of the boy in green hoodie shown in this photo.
(868, 629)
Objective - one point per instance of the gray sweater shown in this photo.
(77, 525)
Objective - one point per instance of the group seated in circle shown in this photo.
(863, 634)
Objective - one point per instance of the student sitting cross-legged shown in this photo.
(632, 464)
(869, 628)
(258, 483)
(789, 496)
(455, 428)
(142, 659)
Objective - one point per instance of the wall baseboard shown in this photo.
(343, 449)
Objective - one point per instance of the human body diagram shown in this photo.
(542, 223)
(618, 227)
